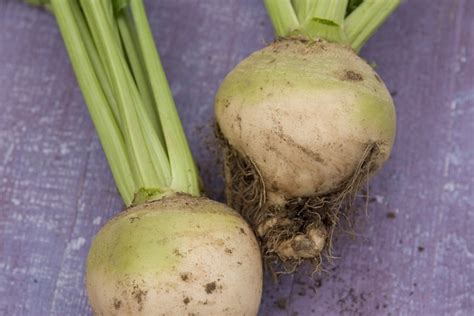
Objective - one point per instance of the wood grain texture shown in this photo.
(414, 253)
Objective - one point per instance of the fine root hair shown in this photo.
(301, 229)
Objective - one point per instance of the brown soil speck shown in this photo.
(186, 300)
(117, 303)
(185, 276)
(139, 295)
(210, 287)
(177, 253)
(133, 219)
(281, 303)
(352, 76)
(242, 231)
(229, 251)
(239, 121)
(391, 215)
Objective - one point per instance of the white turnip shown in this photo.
(176, 256)
(171, 252)
(304, 122)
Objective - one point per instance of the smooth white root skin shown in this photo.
(178, 256)
(304, 113)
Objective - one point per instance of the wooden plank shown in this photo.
(415, 252)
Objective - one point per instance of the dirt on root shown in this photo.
(282, 303)
(350, 75)
(289, 234)
(139, 295)
(210, 287)
(117, 303)
(185, 276)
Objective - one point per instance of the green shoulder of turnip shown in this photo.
(304, 122)
(171, 252)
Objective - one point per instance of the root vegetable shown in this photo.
(171, 252)
(175, 256)
(304, 122)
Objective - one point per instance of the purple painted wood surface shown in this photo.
(414, 253)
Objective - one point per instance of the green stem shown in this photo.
(109, 13)
(95, 59)
(283, 16)
(142, 166)
(330, 12)
(325, 19)
(362, 23)
(128, 96)
(139, 73)
(184, 173)
(304, 8)
(352, 5)
(100, 111)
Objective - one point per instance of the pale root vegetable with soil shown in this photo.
(304, 122)
(175, 256)
(171, 252)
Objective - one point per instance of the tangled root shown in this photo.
(300, 230)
